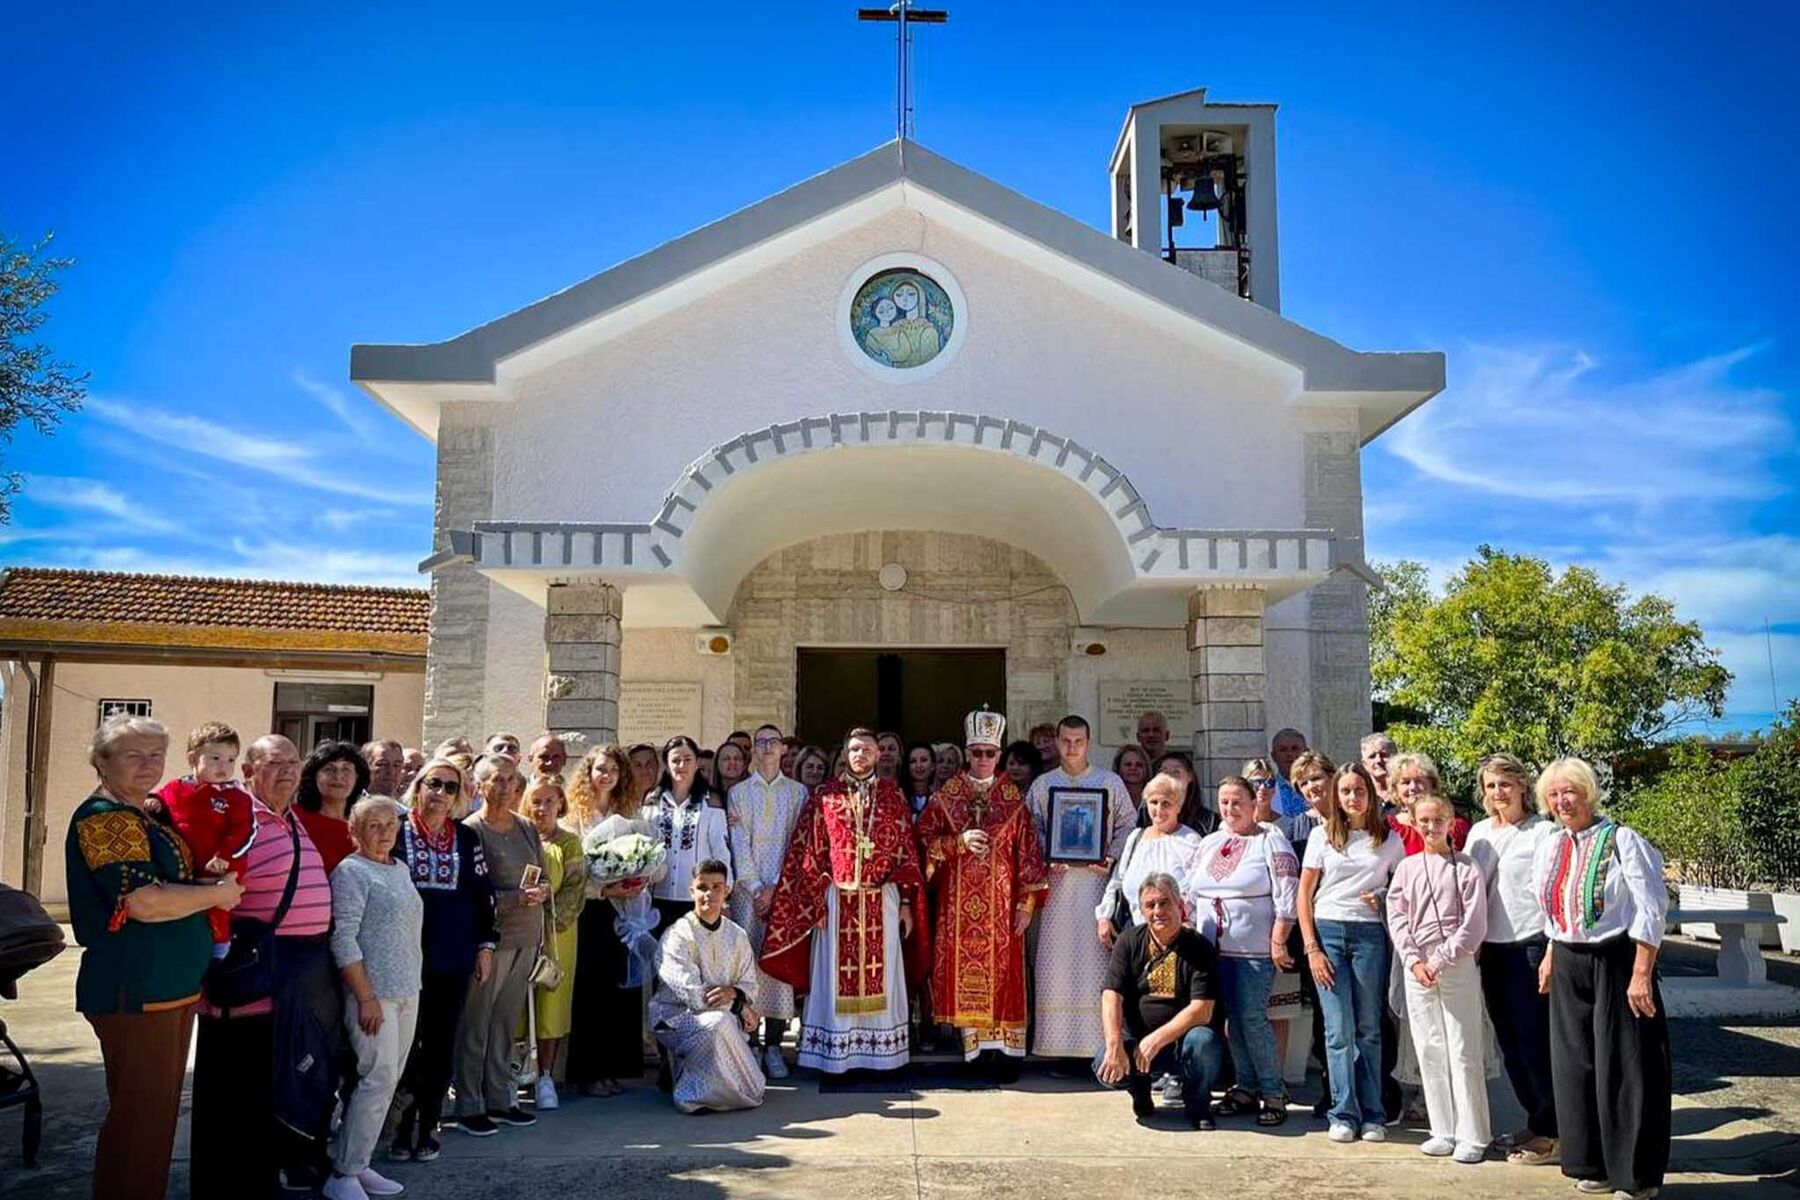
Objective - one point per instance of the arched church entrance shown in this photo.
(823, 642)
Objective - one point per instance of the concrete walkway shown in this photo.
(1737, 1120)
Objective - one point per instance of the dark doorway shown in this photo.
(920, 694)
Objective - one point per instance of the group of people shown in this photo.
(389, 925)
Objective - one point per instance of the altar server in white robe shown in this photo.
(763, 809)
(703, 1012)
(1069, 969)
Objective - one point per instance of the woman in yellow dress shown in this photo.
(565, 870)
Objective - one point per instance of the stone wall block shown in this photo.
(582, 685)
(597, 629)
(585, 598)
(1234, 660)
(583, 656)
(582, 714)
(1234, 687)
(1231, 714)
(1233, 602)
(1234, 631)
(1235, 745)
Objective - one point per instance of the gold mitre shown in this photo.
(984, 728)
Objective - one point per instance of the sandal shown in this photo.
(1274, 1112)
(1540, 1152)
(1235, 1101)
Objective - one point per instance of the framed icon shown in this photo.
(1075, 823)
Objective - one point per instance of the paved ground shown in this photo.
(1737, 1121)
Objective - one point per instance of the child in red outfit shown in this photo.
(211, 811)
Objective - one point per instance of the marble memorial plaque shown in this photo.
(655, 712)
(1123, 701)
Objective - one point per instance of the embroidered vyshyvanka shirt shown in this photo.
(1602, 882)
(1239, 886)
(692, 831)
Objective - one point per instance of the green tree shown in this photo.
(34, 385)
(1515, 657)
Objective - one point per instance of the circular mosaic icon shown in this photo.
(901, 318)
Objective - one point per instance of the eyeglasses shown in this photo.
(765, 743)
(983, 752)
(1260, 784)
(448, 787)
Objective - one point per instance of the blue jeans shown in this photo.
(1194, 1060)
(1247, 983)
(1358, 952)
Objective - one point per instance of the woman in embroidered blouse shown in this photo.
(690, 828)
(1242, 892)
(1504, 845)
(1164, 845)
(565, 870)
(450, 871)
(141, 920)
(606, 1033)
(1437, 914)
(1605, 907)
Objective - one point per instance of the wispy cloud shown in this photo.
(1550, 425)
(293, 462)
(259, 560)
(90, 495)
(355, 416)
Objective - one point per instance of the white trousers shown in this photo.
(1449, 1033)
(380, 1058)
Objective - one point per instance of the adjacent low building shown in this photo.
(306, 660)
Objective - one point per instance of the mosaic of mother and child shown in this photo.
(902, 318)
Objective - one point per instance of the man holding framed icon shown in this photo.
(1084, 814)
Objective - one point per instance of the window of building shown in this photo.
(128, 708)
(309, 713)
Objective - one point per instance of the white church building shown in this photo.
(898, 441)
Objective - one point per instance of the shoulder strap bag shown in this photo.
(248, 972)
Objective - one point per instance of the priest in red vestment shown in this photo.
(985, 866)
(850, 876)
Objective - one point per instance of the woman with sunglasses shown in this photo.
(450, 871)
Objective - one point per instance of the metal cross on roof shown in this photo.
(904, 16)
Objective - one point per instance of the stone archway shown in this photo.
(961, 590)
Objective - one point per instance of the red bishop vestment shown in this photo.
(841, 840)
(978, 980)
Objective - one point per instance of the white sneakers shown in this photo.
(546, 1094)
(368, 1182)
(774, 1066)
(1342, 1131)
(1374, 1131)
(1171, 1089)
(1469, 1152)
(1438, 1147)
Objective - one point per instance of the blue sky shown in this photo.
(1585, 206)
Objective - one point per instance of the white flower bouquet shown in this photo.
(616, 859)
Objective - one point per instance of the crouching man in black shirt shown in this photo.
(1159, 1009)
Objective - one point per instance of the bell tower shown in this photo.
(1194, 183)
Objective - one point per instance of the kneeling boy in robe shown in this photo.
(701, 1013)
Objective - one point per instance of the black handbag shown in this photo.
(248, 972)
(1121, 913)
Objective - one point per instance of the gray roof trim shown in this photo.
(472, 356)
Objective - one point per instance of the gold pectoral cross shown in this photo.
(865, 847)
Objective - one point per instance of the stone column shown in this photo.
(1338, 608)
(581, 639)
(1225, 658)
(456, 650)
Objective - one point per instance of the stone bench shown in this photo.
(1740, 955)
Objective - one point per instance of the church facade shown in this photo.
(900, 440)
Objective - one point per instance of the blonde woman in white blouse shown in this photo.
(1504, 846)
(1605, 907)
(1165, 845)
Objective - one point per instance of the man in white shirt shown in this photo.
(762, 810)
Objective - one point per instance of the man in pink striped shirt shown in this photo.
(238, 1146)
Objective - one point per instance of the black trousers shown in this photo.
(606, 1031)
(1610, 1068)
(433, 1057)
(238, 1149)
(1521, 1017)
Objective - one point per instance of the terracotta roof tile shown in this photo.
(88, 602)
